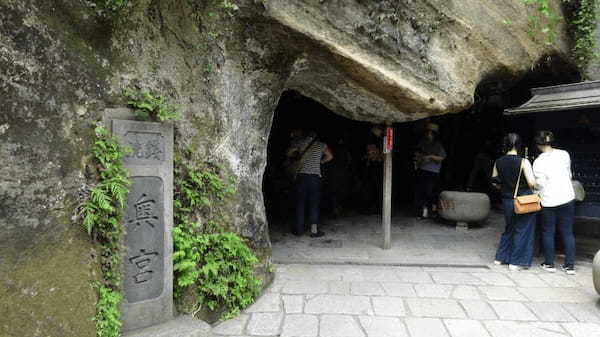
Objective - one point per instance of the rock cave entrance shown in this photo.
(348, 194)
(342, 177)
(350, 187)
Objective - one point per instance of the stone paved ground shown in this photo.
(358, 239)
(380, 301)
(341, 297)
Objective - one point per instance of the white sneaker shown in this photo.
(496, 262)
(570, 270)
(514, 267)
(548, 267)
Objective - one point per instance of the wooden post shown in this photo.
(387, 188)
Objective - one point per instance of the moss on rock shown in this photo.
(48, 291)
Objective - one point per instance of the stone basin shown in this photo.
(463, 207)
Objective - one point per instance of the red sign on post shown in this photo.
(388, 140)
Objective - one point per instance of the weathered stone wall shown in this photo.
(62, 66)
(405, 60)
(48, 80)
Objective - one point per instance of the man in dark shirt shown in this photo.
(428, 163)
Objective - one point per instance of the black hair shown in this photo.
(511, 141)
(544, 137)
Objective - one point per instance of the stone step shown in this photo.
(183, 326)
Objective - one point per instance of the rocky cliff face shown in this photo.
(404, 60)
(62, 66)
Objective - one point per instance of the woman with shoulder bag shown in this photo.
(311, 153)
(515, 177)
(552, 170)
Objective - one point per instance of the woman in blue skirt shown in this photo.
(516, 243)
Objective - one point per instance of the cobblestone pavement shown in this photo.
(358, 239)
(381, 301)
(435, 281)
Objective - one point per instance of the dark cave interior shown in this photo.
(470, 134)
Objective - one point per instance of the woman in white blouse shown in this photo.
(552, 170)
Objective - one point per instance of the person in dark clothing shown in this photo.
(481, 172)
(516, 243)
(428, 163)
(339, 177)
(372, 190)
(312, 153)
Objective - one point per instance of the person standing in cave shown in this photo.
(481, 172)
(372, 173)
(515, 247)
(428, 163)
(552, 170)
(312, 153)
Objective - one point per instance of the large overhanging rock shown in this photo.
(404, 60)
(62, 67)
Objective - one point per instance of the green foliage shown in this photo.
(200, 191)
(185, 257)
(150, 106)
(583, 29)
(218, 265)
(108, 196)
(582, 22)
(101, 214)
(226, 273)
(222, 272)
(544, 21)
(230, 7)
(108, 317)
(197, 193)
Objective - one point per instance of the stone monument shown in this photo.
(147, 265)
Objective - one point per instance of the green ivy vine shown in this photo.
(584, 15)
(217, 264)
(582, 26)
(101, 214)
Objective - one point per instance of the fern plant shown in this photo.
(185, 257)
(108, 197)
(150, 106)
(226, 274)
(218, 266)
(108, 317)
(101, 214)
(200, 191)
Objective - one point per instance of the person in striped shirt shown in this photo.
(313, 153)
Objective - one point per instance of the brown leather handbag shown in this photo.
(525, 203)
